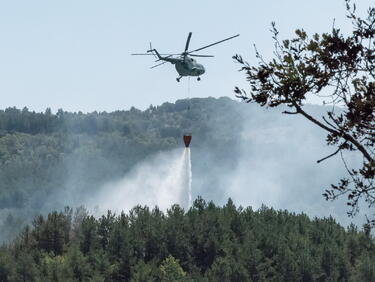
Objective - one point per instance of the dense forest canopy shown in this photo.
(206, 243)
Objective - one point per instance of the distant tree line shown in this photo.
(128, 122)
(205, 243)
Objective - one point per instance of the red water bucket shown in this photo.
(187, 139)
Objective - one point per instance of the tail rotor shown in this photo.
(151, 50)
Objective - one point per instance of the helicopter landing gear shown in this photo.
(178, 78)
(199, 79)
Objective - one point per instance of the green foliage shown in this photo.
(365, 270)
(145, 272)
(227, 269)
(171, 271)
(205, 243)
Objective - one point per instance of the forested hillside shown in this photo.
(49, 161)
(206, 243)
(44, 155)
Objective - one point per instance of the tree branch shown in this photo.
(343, 134)
(310, 118)
(329, 156)
(290, 113)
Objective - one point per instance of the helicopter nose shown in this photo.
(201, 69)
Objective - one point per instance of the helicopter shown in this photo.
(184, 63)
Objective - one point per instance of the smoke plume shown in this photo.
(161, 180)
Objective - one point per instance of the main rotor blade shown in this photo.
(196, 55)
(187, 42)
(213, 44)
(157, 65)
(150, 54)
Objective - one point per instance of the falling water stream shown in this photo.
(189, 176)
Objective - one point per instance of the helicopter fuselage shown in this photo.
(185, 65)
(189, 67)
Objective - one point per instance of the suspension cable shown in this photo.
(188, 94)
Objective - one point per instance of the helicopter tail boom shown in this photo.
(161, 58)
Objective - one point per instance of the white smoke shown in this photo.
(275, 163)
(161, 180)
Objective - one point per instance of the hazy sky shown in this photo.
(75, 55)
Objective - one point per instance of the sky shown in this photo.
(75, 55)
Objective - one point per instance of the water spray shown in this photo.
(189, 175)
